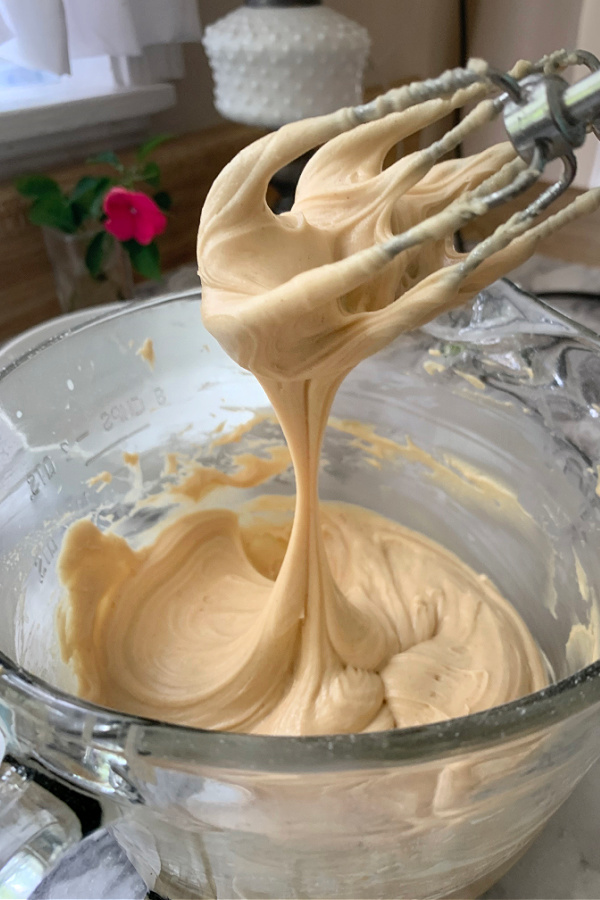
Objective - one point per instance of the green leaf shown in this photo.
(53, 211)
(145, 259)
(96, 204)
(79, 214)
(151, 174)
(87, 185)
(163, 200)
(97, 251)
(84, 195)
(87, 196)
(107, 156)
(151, 145)
(36, 186)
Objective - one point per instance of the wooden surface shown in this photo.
(189, 165)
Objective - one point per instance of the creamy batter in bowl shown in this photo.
(494, 411)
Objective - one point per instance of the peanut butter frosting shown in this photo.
(334, 619)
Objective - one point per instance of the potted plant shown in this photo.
(103, 228)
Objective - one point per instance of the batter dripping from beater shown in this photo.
(359, 624)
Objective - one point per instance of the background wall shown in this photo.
(420, 38)
(409, 38)
(521, 29)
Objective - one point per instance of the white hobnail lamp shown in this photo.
(276, 61)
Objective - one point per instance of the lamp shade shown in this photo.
(276, 61)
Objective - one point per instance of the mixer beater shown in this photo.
(358, 216)
(545, 118)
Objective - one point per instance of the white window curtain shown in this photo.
(51, 34)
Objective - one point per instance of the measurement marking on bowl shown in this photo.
(131, 408)
(39, 477)
(122, 411)
(124, 437)
(44, 559)
(44, 472)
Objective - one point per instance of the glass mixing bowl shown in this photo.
(497, 407)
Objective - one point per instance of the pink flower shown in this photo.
(132, 214)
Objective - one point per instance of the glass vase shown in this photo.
(76, 288)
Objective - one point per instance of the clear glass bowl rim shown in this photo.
(553, 704)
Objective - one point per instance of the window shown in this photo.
(12, 76)
(135, 53)
(46, 119)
